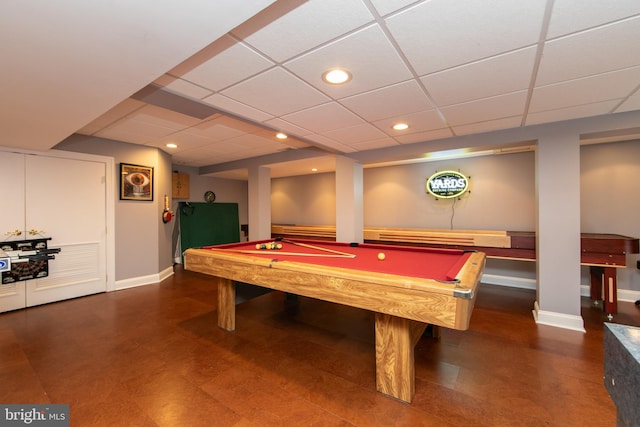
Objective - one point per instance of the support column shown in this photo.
(259, 203)
(558, 231)
(349, 201)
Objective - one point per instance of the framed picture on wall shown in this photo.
(136, 182)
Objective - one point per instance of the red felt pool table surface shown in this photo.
(437, 264)
(410, 288)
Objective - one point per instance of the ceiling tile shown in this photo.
(296, 143)
(228, 105)
(385, 7)
(226, 148)
(590, 52)
(256, 145)
(373, 144)
(121, 110)
(184, 140)
(573, 112)
(214, 130)
(356, 134)
(603, 87)
(418, 122)
(282, 32)
(403, 98)
(569, 16)
(277, 92)
(195, 157)
(182, 87)
(285, 126)
(162, 117)
(324, 118)
(367, 54)
(146, 124)
(482, 79)
(243, 126)
(134, 131)
(227, 62)
(497, 107)
(489, 125)
(632, 103)
(330, 143)
(424, 136)
(441, 34)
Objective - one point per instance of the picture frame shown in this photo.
(136, 182)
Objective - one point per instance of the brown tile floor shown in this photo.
(152, 356)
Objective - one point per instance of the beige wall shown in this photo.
(610, 188)
(306, 199)
(501, 197)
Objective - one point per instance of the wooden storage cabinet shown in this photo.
(180, 185)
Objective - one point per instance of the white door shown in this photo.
(12, 295)
(65, 200)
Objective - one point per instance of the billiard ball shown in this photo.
(381, 256)
(257, 245)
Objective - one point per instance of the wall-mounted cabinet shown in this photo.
(180, 185)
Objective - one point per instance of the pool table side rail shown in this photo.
(423, 300)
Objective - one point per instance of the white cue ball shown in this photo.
(381, 256)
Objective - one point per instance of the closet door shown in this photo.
(66, 200)
(12, 170)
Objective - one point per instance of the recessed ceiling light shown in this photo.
(400, 126)
(314, 170)
(172, 145)
(281, 135)
(336, 76)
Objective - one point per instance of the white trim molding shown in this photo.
(144, 280)
(559, 320)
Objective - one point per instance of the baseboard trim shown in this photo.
(144, 280)
(558, 320)
(628, 295)
(510, 281)
(524, 283)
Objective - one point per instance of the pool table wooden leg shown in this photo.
(396, 338)
(226, 304)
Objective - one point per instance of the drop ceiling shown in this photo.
(221, 91)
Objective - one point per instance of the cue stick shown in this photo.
(318, 248)
(278, 252)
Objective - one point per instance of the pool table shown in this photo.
(407, 290)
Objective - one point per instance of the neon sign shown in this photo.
(447, 184)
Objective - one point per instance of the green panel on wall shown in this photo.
(205, 224)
